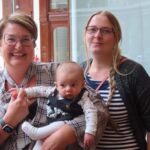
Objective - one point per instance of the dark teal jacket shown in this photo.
(134, 88)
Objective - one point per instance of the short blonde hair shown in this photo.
(21, 19)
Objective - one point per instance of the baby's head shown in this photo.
(69, 79)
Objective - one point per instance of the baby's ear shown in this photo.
(83, 84)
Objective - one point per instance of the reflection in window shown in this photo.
(61, 51)
(135, 43)
(58, 4)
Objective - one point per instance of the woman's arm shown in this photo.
(148, 141)
(3, 136)
(60, 139)
(17, 110)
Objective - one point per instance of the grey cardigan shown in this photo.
(134, 88)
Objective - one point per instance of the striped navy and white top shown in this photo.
(123, 139)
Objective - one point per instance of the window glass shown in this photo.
(61, 52)
(58, 4)
(134, 20)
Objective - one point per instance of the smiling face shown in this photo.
(102, 41)
(17, 55)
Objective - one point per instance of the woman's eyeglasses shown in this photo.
(103, 31)
(11, 40)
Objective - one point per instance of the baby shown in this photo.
(67, 100)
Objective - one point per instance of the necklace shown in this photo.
(5, 97)
(123, 59)
(29, 74)
(101, 83)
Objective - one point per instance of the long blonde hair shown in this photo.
(116, 55)
(117, 34)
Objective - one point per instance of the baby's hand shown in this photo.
(14, 92)
(89, 140)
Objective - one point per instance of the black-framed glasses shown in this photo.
(11, 40)
(103, 30)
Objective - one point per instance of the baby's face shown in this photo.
(69, 86)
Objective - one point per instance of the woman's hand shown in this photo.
(148, 140)
(17, 108)
(13, 92)
(60, 139)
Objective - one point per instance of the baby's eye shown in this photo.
(62, 85)
(73, 85)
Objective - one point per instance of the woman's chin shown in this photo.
(96, 52)
(17, 63)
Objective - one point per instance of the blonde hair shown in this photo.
(117, 34)
(117, 54)
(21, 19)
(70, 68)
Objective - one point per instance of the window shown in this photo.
(55, 30)
(58, 4)
(68, 18)
(134, 19)
(61, 52)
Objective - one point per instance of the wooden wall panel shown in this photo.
(9, 6)
(44, 31)
(25, 5)
(45, 42)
